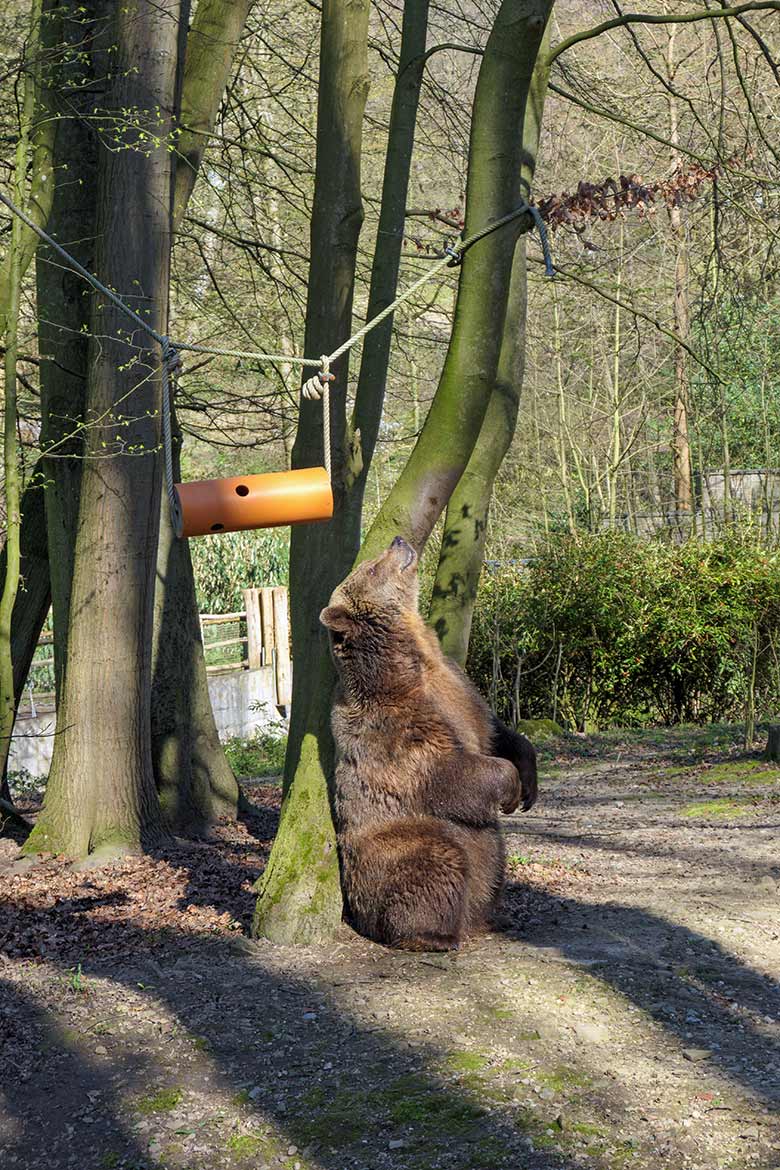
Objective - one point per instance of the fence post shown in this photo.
(282, 639)
(254, 629)
(267, 611)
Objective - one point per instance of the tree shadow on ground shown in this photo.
(286, 1034)
(696, 854)
(689, 984)
(335, 1086)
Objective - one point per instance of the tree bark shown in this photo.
(301, 901)
(76, 84)
(496, 157)
(193, 776)
(101, 794)
(35, 134)
(300, 897)
(186, 748)
(33, 598)
(194, 779)
(681, 450)
(211, 49)
(465, 525)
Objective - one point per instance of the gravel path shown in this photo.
(627, 1014)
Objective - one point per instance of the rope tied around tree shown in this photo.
(316, 388)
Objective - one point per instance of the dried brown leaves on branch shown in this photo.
(612, 197)
(595, 201)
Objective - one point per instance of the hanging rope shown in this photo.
(316, 388)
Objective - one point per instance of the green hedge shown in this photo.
(608, 630)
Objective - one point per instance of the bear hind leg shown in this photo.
(424, 902)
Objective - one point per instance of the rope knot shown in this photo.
(171, 357)
(313, 388)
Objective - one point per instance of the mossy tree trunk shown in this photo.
(466, 521)
(298, 898)
(34, 141)
(101, 793)
(299, 891)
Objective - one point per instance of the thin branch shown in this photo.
(659, 18)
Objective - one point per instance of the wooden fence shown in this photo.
(266, 641)
(263, 639)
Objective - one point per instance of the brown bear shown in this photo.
(423, 767)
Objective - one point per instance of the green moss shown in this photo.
(586, 1129)
(242, 1097)
(466, 1061)
(741, 772)
(345, 1118)
(109, 1160)
(562, 1078)
(515, 1064)
(163, 1101)
(202, 1044)
(246, 1145)
(413, 1100)
(538, 729)
(721, 809)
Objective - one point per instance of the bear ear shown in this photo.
(337, 618)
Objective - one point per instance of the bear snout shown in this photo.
(410, 556)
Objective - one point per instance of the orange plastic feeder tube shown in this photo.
(253, 501)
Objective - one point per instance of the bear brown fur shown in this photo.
(423, 767)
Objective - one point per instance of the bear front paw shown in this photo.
(511, 791)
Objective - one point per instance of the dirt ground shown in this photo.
(627, 1014)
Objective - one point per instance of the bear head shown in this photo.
(372, 623)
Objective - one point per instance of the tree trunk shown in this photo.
(193, 776)
(186, 746)
(33, 598)
(35, 133)
(101, 794)
(302, 901)
(211, 49)
(78, 67)
(773, 743)
(300, 896)
(681, 450)
(496, 156)
(194, 779)
(465, 525)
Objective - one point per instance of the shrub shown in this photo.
(608, 630)
(262, 755)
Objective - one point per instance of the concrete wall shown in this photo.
(243, 702)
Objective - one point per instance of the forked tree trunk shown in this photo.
(465, 525)
(295, 904)
(299, 891)
(101, 794)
